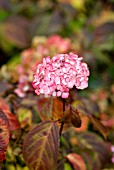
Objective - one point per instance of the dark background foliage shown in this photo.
(89, 27)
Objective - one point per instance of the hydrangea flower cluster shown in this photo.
(31, 57)
(23, 86)
(58, 43)
(57, 75)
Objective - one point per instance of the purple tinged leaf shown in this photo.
(89, 108)
(71, 117)
(41, 146)
(99, 126)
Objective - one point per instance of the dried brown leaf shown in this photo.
(71, 117)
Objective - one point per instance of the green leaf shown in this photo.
(41, 146)
(67, 166)
(3, 14)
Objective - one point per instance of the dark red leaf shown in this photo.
(41, 146)
(45, 108)
(95, 150)
(4, 134)
(99, 126)
(12, 120)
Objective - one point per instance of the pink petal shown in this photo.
(64, 82)
(48, 60)
(54, 94)
(59, 93)
(84, 84)
(70, 85)
(57, 80)
(65, 95)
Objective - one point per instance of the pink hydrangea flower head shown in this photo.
(23, 86)
(58, 75)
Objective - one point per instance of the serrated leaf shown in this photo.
(71, 116)
(77, 161)
(41, 146)
(4, 134)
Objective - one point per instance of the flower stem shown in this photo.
(63, 105)
(62, 124)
